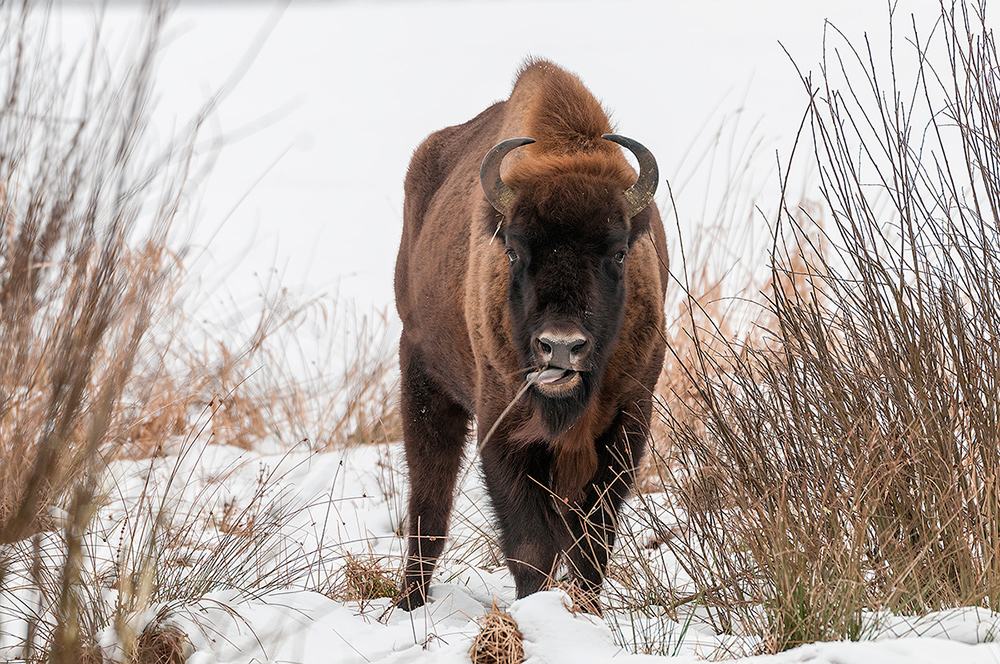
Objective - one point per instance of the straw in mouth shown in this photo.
(551, 376)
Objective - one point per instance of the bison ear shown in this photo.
(491, 221)
(639, 224)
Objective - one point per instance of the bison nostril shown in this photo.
(560, 350)
(543, 350)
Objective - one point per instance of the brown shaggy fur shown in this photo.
(475, 290)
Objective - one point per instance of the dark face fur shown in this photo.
(568, 248)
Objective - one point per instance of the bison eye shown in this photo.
(511, 254)
(620, 257)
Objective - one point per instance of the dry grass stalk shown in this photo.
(499, 641)
(718, 284)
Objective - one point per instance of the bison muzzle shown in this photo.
(530, 283)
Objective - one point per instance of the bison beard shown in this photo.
(530, 282)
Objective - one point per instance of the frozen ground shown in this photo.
(324, 103)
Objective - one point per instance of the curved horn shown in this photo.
(638, 196)
(497, 193)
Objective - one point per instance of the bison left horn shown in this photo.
(638, 196)
(497, 192)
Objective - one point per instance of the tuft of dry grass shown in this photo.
(160, 644)
(717, 286)
(362, 579)
(77, 296)
(499, 641)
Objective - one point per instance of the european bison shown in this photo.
(534, 288)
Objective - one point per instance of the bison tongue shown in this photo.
(551, 375)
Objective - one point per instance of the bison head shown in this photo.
(567, 231)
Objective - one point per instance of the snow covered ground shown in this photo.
(307, 513)
(323, 104)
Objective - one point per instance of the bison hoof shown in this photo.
(408, 601)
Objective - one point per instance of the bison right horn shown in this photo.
(638, 196)
(497, 192)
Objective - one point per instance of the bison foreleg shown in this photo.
(593, 526)
(532, 534)
(435, 428)
(593, 522)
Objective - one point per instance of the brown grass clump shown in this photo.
(499, 641)
(716, 279)
(362, 579)
(160, 644)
